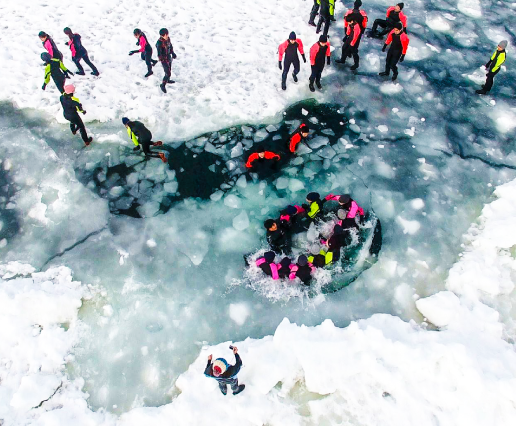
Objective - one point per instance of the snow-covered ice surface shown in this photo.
(424, 336)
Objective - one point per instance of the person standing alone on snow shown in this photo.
(289, 48)
(71, 109)
(140, 135)
(79, 52)
(493, 67)
(165, 55)
(224, 373)
(319, 55)
(397, 51)
(145, 50)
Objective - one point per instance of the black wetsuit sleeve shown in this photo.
(234, 369)
(207, 370)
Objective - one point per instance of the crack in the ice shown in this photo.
(50, 397)
(74, 245)
(475, 157)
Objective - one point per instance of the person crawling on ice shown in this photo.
(277, 237)
(54, 68)
(79, 52)
(224, 373)
(299, 136)
(289, 48)
(71, 109)
(50, 46)
(145, 50)
(345, 202)
(141, 136)
(493, 67)
(302, 270)
(261, 159)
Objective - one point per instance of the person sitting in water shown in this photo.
(261, 158)
(278, 239)
(347, 203)
(302, 270)
(299, 136)
(274, 270)
(329, 254)
(314, 206)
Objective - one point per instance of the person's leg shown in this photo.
(90, 64)
(234, 384)
(313, 13)
(80, 126)
(388, 63)
(312, 78)
(318, 78)
(77, 61)
(148, 62)
(327, 22)
(490, 81)
(284, 74)
(387, 27)
(59, 83)
(376, 23)
(297, 68)
(73, 127)
(356, 58)
(223, 388)
(319, 24)
(167, 67)
(344, 53)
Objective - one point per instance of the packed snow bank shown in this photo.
(226, 69)
(38, 329)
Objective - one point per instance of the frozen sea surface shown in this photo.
(158, 250)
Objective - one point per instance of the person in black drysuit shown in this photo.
(324, 17)
(318, 52)
(277, 237)
(399, 42)
(79, 52)
(54, 68)
(394, 15)
(224, 373)
(313, 14)
(145, 50)
(140, 135)
(50, 46)
(289, 48)
(71, 108)
(302, 270)
(165, 55)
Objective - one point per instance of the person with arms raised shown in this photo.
(224, 373)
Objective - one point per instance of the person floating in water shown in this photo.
(274, 270)
(290, 48)
(141, 136)
(79, 52)
(314, 205)
(145, 50)
(54, 68)
(71, 109)
(224, 373)
(346, 203)
(302, 269)
(299, 136)
(277, 237)
(493, 67)
(261, 158)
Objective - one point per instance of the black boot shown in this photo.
(284, 85)
(239, 389)
(340, 61)
(355, 66)
(394, 76)
(163, 88)
(312, 88)
(384, 73)
(294, 77)
(171, 81)
(318, 84)
(148, 74)
(154, 62)
(481, 92)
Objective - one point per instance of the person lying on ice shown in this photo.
(302, 270)
(399, 42)
(289, 48)
(493, 67)
(274, 270)
(345, 202)
(394, 16)
(277, 237)
(141, 136)
(261, 158)
(145, 50)
(224, 373)
(71, 109)
(299, 136)
(54, 68)
(79, 52)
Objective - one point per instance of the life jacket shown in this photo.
(295, 268)
(315, 209)
(132, 136)
(273, 267)
(500, 59)
(328, 257)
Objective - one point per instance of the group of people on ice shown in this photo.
(355, 25)
(294, 219)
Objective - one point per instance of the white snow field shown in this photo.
(119, 275)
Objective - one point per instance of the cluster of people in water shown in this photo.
(355, 25)
(295, 219)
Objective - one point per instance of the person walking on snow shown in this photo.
(314, 12)
(289, 48)
(145, 50)
(140, 135)
(71, 108)
(324, 16)
(399, 42)
(299, 136)
(54, 68)
(357, 11)
(50, 46)
(79, 52)
(165, 55)
(394, 16)
(318, 52)
(493, 67)
(224, 373)
(351, 41)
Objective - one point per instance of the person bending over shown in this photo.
(224, 373)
